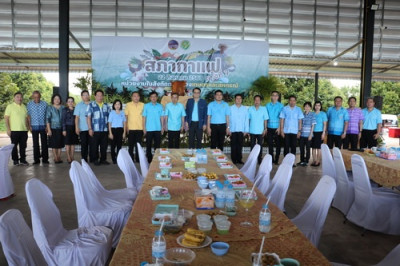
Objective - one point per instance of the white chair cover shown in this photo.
(312, 216)
(6, 183)
(249, 168)
(125, 195)
(289, 159)
(391, 259)
(144, 164)
(279, 186)
(328, 166)
(82, 246)
(133, 178)
(375, 210)
(16, 237)
(344, 196)
(263, 175)
(93, 208)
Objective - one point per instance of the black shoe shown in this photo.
(303, 164)
(105, 162)
(299, 163)
(97, 163)
(46, 162)
(23, 162)
(16, 163)
(36, 162)
(241, 162)
(114, 162)
(294, 166)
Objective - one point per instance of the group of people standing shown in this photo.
(94, 122)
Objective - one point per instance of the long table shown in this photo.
(284, 238)
(384, 172)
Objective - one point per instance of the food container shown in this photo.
(223, 227)
(205, 226)
(173, 228)
(219, 218)
(203, 217)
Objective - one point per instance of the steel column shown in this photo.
(63, 48)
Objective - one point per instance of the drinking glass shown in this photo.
(247, 199)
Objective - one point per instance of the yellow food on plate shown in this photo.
(189, 243)
(193, 237)
(196, 232)
(211, 176)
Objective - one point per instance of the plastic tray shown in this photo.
(164, 209)
(167, 197)
(158, 177)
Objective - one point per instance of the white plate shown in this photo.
(207, 241)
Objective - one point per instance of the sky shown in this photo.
(53, 77)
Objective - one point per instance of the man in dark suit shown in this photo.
(196, 119)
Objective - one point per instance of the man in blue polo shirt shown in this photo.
(291, 123)
(175, 118)
(338, 121)
(218, 121)
(258, 117)
(239, 123)
(372, 125)
(153, 125)
(274, 109)
(37, 121)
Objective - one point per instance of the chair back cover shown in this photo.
(144, 164)
(92, 177)
(393, 258)
(279, 186)
(6, 183)
(289, 159)
(263, 174)
(47, 226)
(344, 196)
(249, 168)
(133, 178)
(16, 237)
(312, 216)
(328, 166)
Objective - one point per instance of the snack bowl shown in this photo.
(186, 214)
(173, 227)
(179, 256)
(219, 248)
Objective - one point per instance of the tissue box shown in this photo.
(203, 201)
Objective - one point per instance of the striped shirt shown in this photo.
(308, 121)
(355, 116)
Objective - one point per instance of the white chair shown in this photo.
(82, 246)
(144, 164)
(344, 196)
(125, 195)
(93, 208)
(279, 186)
(133, 178)
(328, 166)
(391, 259)
(373, 209)
(263, 175)
(312, 216)
(6, 183)
(289, 159)
(249, 168)
(16, 237)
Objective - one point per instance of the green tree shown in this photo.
(264, 85)
(7, 90)
(390, 92)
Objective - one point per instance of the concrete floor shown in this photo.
(339, 242)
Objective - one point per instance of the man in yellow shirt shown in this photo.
(133, 113)
(16, 119)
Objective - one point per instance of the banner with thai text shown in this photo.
(148, 64)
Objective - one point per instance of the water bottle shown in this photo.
(230, 197)
(220, 197)
(158, 248)
(265, 219)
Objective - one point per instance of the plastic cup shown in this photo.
(203, 217)
(205, 226)
(223, 227)
(219, 218)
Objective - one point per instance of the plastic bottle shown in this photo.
(265, 219)
(220, 197)
(158, 248)
(230, 197)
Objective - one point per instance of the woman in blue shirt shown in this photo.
(68, 126)
(319, 133)
(54, 127)
(116, 128)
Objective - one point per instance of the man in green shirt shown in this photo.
(16, 120)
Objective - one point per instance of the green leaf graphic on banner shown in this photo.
(156, 53)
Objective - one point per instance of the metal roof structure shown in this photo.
(305, 36)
